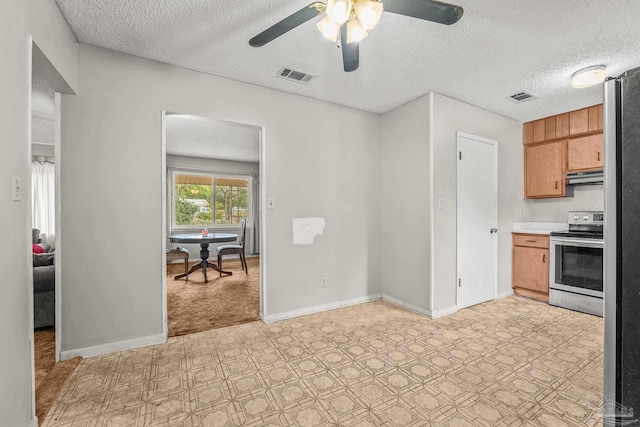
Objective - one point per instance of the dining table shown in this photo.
(204, 241)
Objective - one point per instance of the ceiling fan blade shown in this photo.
(429, 10)
(350, 51)
(288, 24)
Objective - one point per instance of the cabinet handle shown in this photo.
(598, 156)
(556, 185)
(544, 258)
(531, 241)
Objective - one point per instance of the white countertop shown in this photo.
(538, 227)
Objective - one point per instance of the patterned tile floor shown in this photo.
(511, 362)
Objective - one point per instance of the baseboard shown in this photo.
(34, 422)
(444, 312)
(114, 347)
(319, 308)
(505, 294)
(404, 304)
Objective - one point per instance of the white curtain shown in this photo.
(255, 214)
(43, 191)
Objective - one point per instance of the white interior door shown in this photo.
(477, 219)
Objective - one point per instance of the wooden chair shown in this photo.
(179, 253)
(235, 249)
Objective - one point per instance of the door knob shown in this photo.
(493, 230)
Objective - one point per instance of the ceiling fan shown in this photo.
(347, 21)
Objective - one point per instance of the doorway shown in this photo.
(477, 218)
(43, 201)
(212, 185)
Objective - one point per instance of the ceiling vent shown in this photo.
(522, 97)
(295, 75)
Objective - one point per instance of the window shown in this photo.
(208, 200)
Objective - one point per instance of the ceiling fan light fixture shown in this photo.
(355, 31)
(368, 12)
(589, 76)
(329, 29)
(339, 11)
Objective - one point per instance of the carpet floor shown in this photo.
(510, 362)
(49, 375)
(195, 306)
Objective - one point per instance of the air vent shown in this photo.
(522, 97)
(295, 75)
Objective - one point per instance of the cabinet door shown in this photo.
(595, 118)
(539, 132)
(545, 170)
(562, 125)
(585, 153)
(579, 122)
(527, 133)
(550, 128)
(531, 269)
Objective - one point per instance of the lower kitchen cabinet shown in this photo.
(530, 272)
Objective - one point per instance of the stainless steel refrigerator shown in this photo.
(622, 247)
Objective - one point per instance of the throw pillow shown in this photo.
(37, 249)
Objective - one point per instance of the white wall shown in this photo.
(450, 116)
(212, 165)
(585, 198)
(321, 160)
(42, 19)
(405, 205)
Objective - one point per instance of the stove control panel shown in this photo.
(586, 218)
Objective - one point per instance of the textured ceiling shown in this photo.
(214, 139)
(498, 48)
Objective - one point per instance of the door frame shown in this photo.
(37, 57)
(164, 206)
(494, 143)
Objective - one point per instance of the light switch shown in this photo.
(271, 203)
(16, 189)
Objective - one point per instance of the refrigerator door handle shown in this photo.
(610, 113)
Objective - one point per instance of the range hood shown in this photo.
(585, 178)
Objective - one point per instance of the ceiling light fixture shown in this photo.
(588, 77)
(359, 15)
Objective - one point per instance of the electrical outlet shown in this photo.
(16, 189)
(271, 203)
(440, 204)
(324, 282)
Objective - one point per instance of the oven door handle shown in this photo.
(577, 242)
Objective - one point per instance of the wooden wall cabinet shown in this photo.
(579, 122)
(585, 153)
(562, 125)
(539, 130)
(585, 120)
(544, 170)
(530, 269)
(527, 133)
(595, 118)
(553, 146)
